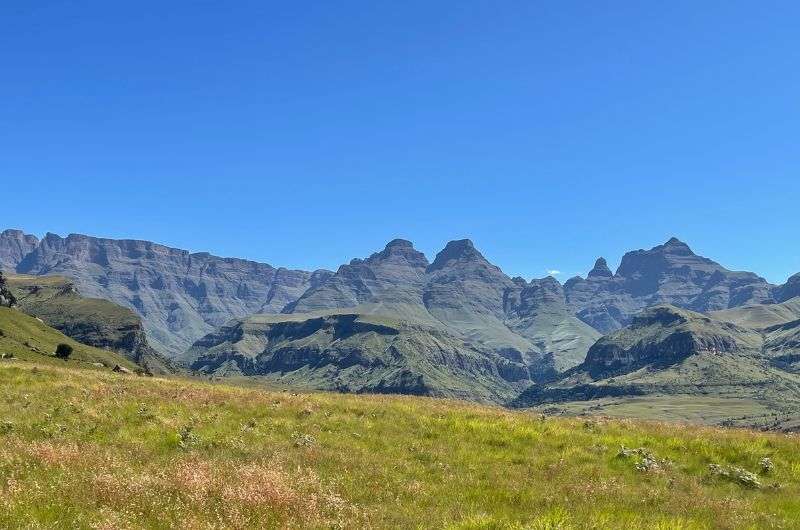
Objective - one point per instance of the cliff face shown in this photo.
(180, 296)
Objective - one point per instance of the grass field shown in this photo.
(93, 449)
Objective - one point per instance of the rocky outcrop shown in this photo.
(180, 296)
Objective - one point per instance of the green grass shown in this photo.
(92, 449)
(27, 338)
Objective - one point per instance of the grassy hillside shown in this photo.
(91, 321)
(84, 449)
(28, 338)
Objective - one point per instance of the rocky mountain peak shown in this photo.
(399, 243)
(676, 246)
(461, 250)
(600, 269)
(400, 250)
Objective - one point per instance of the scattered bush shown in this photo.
(303, 440)
(735, 474)
(187, 438)
(63, 351)
(645, 460)
(767, 466)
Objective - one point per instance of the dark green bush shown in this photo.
(63, 351)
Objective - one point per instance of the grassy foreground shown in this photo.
(93, 449)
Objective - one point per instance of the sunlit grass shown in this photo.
(81, 449)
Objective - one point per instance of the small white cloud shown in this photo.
(553, 272)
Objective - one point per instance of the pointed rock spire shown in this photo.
(600, 269)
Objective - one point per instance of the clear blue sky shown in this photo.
(307, 133)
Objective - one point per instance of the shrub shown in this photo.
(63, 351)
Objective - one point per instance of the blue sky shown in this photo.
(307, 133)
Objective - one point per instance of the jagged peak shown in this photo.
(674, 244)
(600, 269)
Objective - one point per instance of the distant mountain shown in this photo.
(668, 356)
(356, 353)
(540, 324)
(179, 295)
(666, 274)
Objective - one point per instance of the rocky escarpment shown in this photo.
(356, 353)
(180, 296)
(666, 274)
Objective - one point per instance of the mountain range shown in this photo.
(394, 321)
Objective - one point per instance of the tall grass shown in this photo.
(86, 449)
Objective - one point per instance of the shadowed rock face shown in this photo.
(179, 295)
(670, 273)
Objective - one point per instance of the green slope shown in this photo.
(91, 321)
(761, 316)
(30, 339)
(82, 449)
